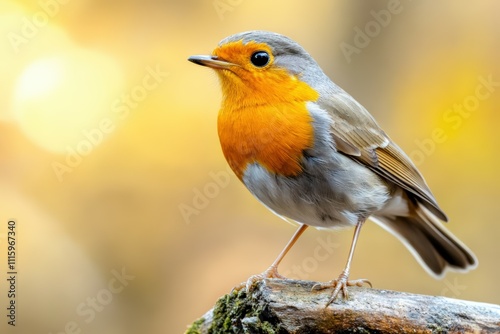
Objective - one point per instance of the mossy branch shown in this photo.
(286, 306)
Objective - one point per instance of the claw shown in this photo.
(271, 272)
(340, 284)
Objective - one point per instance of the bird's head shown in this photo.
(262, 67)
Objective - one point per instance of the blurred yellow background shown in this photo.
(128, 219)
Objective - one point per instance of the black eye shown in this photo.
(260, 58)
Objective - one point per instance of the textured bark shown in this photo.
(279, 306)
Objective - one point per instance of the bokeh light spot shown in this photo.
(59, 97)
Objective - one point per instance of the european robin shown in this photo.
(312, 154)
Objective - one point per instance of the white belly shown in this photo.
(333, 194)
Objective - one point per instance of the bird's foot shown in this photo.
(271, 272)
(340, 284)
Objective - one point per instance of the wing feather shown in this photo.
(358, 135)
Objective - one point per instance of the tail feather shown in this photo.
(425, 236)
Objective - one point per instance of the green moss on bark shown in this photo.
(238, 312)
(195, 327)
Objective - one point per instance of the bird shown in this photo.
(312, 154)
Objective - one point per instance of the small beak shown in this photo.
(211, 61)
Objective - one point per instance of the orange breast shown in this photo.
(273, 135)
(263, 117)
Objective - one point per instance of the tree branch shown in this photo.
(286, 306)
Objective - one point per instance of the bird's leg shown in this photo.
(272, 271)
(342, 282)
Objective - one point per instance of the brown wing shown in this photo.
(358, 135)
